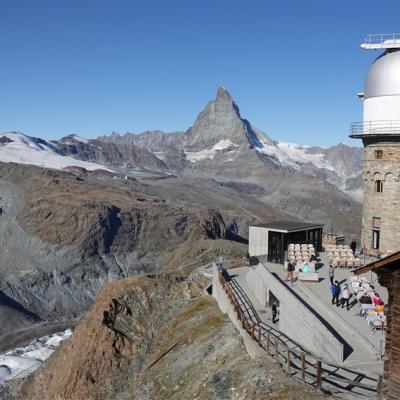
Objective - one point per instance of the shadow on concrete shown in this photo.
(347, 349)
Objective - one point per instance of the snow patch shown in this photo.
(295, 155)
(274, 151)
(298, 153)
(79, 139)
(223, 144)
(25, 150)
(22, 361)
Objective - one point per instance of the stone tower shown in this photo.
(380, 133)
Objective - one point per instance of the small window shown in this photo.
(378, 154)
(378, 186)
(376, 222)
(375, 238)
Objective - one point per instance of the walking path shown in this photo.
(368, 345)
(347, 382)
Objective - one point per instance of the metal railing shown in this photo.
(375, 127)
(382, 38)
(300, 364)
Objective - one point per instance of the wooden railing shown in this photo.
(300, 364)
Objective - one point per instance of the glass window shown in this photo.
(375, 238)
(378, 154)
(378, 186)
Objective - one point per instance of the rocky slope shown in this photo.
(148, 338)
(299, 180)
(65, 234)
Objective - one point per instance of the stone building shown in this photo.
(380, 133)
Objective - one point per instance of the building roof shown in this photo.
(288, 226)
(393, 260)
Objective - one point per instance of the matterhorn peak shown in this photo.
(223, 94)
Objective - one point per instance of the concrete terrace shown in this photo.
(364, 347)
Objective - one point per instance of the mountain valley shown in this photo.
(78, 215)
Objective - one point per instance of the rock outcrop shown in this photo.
(65, 234)
(148, 338)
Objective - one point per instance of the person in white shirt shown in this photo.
(345, 296)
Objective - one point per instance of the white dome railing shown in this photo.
(381, 41)
(375, 127)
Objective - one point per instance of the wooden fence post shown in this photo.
(288, 362)
(303, 367)
(319, 373)
(277, 352)
(259, 335)
(379, 388)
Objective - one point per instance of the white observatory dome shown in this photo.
(383, 77)
(382, 94)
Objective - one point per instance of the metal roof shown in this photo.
(288, 226)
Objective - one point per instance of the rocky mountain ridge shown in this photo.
(221, 138)
(127, 155)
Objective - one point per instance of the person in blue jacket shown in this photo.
(335, 291)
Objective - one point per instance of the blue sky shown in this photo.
(92, 67)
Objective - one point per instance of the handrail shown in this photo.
(257, 332)
(382, 38)
(375, 127)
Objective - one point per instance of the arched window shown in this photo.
(378, 186)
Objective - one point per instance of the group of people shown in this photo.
(376, 301)
(340, 296)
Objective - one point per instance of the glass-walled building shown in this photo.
(272, 239)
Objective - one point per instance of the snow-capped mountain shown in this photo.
(221, 142)
(19, 148)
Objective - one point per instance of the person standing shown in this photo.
(353, 246)
(377, 299)
(274, 311)
(289, 275)
(345, 296)
(335, 290)
(331, 273)
(365, 299)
